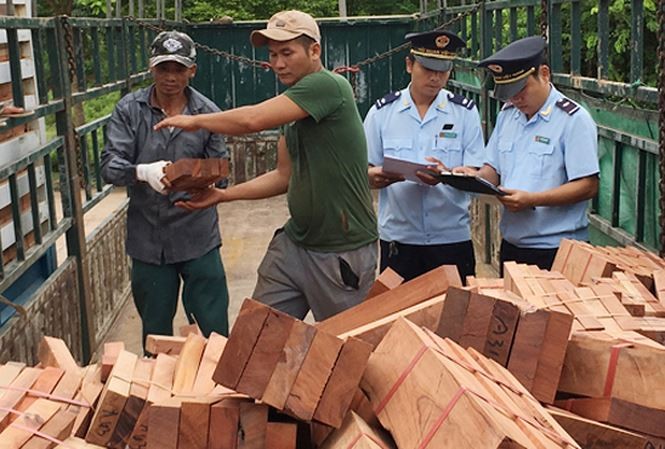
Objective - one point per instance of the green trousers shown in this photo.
(205, 295)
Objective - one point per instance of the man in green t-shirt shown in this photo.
(324, 259)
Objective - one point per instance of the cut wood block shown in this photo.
(594, 434)
(111, 352)
(386, 281)
(91, 389)
(188, 364)
(356, 433)
(20, 431)
(54, 352)
(45, 384)
(600, 366)
(68, 385)
(266, 354)
(8, 373)
(112, 400)
(288, 364)
(281, 435)
(190, 329)
(252, 425)
(196, 174)
(539, 350)
(243, 338)
(426, 286)
(11, 398)
(194, 422)
(620, 413)
(425, 314)
(430, 392)
(164, 344)
(343, 382)
(314, 373)
(59, 427)
(158, 392)
(319, 432)
(164, 424)
(224, 423)
(204, 384)
(138, 395)
(480, 322)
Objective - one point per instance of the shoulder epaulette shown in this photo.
(569, 106)
(507, 105)
(461, 100)
(387, 99)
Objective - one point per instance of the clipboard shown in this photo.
(468, 183)
(405, 168)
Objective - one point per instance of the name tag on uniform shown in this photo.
(542, 139)
(448, 134)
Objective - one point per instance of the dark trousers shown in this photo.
(205, 295)
(543, 258)
(410, 261)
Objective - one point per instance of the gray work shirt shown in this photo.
(158, 231)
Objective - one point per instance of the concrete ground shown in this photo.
(247, 227)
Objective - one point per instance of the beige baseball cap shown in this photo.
(286, 25)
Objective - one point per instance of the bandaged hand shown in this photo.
(153, 173)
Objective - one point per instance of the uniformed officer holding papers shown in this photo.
(424, 224)
(542, 153)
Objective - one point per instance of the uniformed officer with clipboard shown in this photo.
(424, 224)
(543, 153)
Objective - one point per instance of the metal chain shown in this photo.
(392, 51)
(69, 47)
(544, 9)
(71, 66)
(661, 120)
(206, 48)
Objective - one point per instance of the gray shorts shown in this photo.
(294, 280)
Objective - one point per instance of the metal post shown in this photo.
(109, 9)
(76, 243)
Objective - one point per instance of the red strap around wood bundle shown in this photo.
(400, 380)
(612, 368)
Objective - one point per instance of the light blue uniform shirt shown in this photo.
(417, 214)
(551, 149)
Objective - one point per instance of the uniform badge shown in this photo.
(448, 134)
(442, 41)
(448, 126)
(542, 139)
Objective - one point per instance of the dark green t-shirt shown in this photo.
(329, 198)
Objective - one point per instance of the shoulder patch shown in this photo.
(569, 106)
(387, 99)
(461, 100)
(507, 105)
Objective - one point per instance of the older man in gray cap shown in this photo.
(324, 258)
(167, 244)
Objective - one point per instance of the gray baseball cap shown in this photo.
(172, 46)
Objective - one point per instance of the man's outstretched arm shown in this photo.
(269, 114)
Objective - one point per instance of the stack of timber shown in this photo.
(430, 392)
(582, 262)
(615, 381)
(17, 142)
(292, 366)
(529, 341)
(42, 405)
